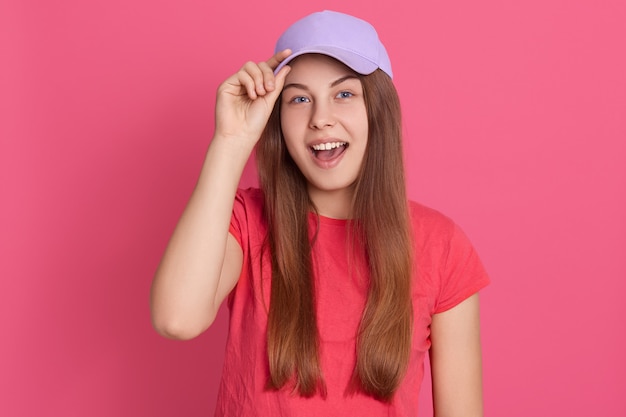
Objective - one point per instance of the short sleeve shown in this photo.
(462, 274)
(238, 222)
(245, 228)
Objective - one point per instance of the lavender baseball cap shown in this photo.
(346, 38)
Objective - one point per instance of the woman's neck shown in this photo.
(334, 204)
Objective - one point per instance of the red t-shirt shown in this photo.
(447, 272)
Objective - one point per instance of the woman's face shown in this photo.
(324, 122)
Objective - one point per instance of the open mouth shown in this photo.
(329, 150)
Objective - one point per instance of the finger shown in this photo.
(277, 58)
(256, 75)
(279, 78)
(268, 76)
(247, 82)
(279, 81)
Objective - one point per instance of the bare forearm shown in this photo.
(185, 288)
(201, 263)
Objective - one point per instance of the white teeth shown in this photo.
(328, 146)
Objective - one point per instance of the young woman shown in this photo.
(337, 285)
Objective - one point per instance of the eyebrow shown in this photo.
(333, 84)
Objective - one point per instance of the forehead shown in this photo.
(316, 67)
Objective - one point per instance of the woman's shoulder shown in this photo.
(248, 213)
(433, 230)
(249, 199)
(448, 262)
(252, 194)
(425, 218)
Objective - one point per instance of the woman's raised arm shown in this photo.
(202, 261)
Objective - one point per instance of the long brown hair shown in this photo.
(381, 227)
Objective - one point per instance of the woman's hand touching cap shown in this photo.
(246, 99)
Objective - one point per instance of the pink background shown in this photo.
(515, 120)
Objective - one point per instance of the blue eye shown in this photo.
(345, 94)
(300, 99)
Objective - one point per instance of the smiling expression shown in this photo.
(324, 123)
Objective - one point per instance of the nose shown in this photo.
(321, 116)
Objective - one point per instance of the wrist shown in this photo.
(230, 151)
(239, 145)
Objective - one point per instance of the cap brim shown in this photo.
(356, 62)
